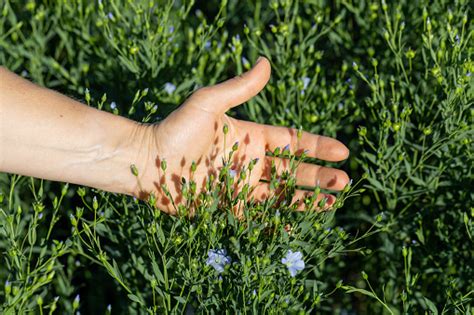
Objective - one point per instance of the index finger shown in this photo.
(316, 146)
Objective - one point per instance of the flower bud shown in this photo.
(64, 190)
(75, 303)
(95, 204)
(73, 220)
(81, 191)
(163, 165)
(364, 275)
(235, 146)
(355, 66)
(134, 170)
(8, 287)
(88, 96)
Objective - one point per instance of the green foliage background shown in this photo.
(392, 80)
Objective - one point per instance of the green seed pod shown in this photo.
(364, 275)
(396, 127)
(134, 170)
(81, 191)
(163, 165)
(79, 212)
(318, 68)
(88, 96)
(235, 146)
(133, 50)
(51, 275)
(5, 11)
(410, 54)
(404, 296)
(225, 129)
(322, 202)
(319, 19)
(152, 199)
(301, 289)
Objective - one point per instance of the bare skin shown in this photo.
(47, 135)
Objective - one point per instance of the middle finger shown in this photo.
(307, 174)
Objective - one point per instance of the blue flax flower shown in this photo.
(169, 88)
(218, 259)
(306, 82)
(293, 261)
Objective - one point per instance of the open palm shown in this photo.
(193, 135)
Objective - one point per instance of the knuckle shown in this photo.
(202, 92)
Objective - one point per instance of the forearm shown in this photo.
(47, 135)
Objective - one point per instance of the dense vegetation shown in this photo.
(392, 80)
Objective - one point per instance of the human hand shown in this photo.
(194, 133)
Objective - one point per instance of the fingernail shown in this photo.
(259, 59)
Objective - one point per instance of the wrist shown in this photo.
(131, 147)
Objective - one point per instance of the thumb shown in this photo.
(237, 90)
